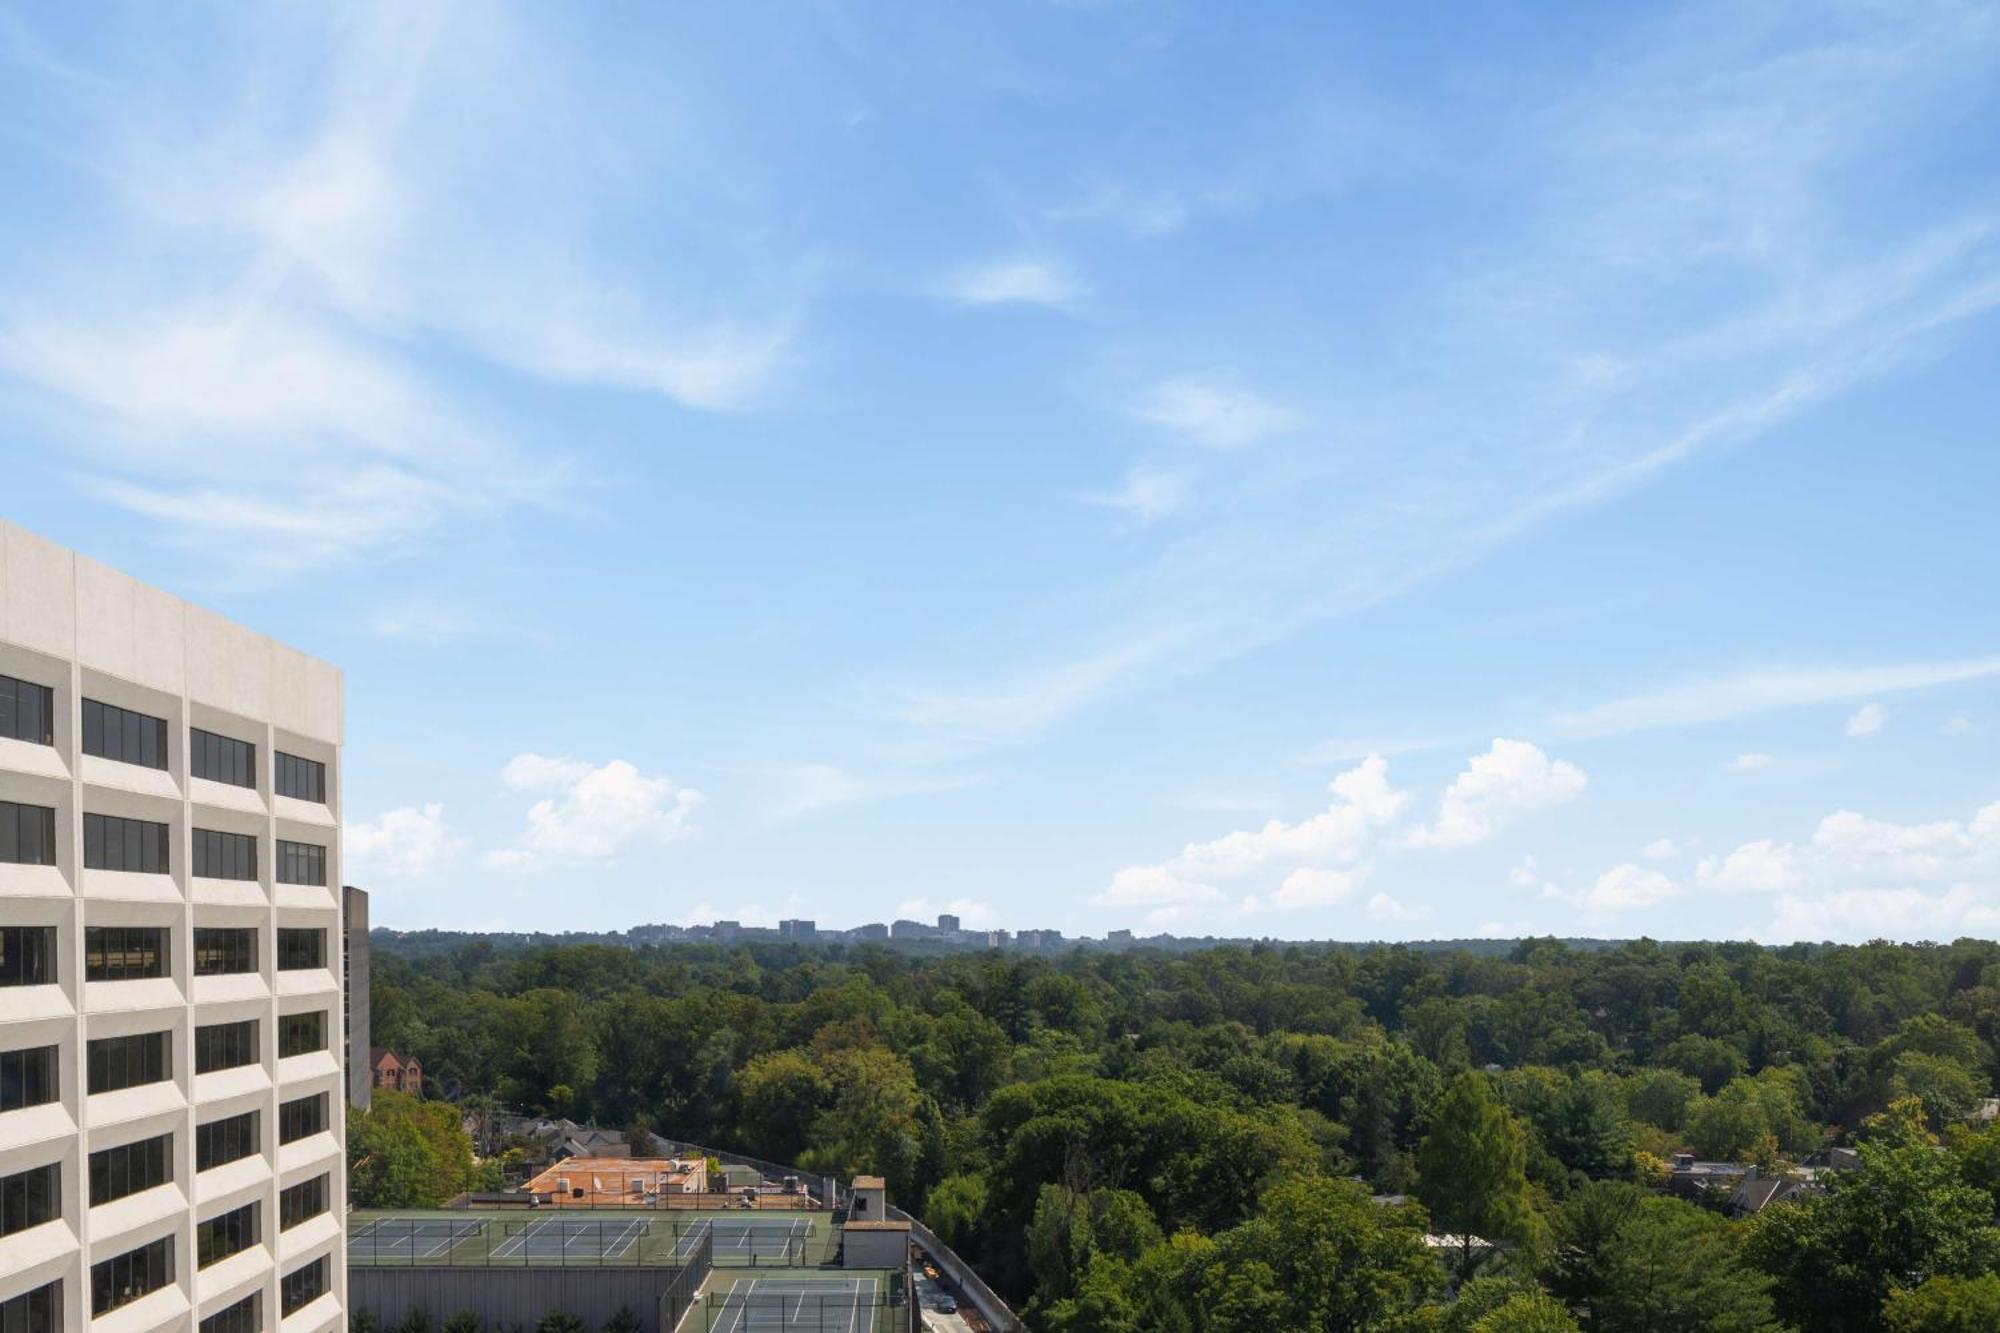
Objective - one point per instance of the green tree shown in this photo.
(465, 1321)
(1642, 1262)
(1906, 1215)
(403, 1152)
(1945, 1305)
(560, 1321)
(1472, 1169)
(1947, 1090)
(1317, 1256)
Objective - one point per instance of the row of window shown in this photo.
(246, 1316)
(231, 1233)
(27, 713)
(112, 1064)
(111, 842)
(27, 1078)
(138, 953)
(32, 1197)
(302, 1117)
(119, 1281)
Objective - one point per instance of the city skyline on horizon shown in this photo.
(1296, 475)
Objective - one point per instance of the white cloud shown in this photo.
(1756, 867)
(1750, 762)
(1659, 849)
(1328, 847)
(1867, 720)
(1512, 779)
(1858, 877)
(1720, 698)
(1383, 908)
(592, 812)
(410, 841)
(1959, 724)
(1146, 495)
(1019, 281)
(1905, 914)
(1214, 413)
(1623, 888)
(1313, 886)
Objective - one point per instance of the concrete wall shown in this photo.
(86, 631)
(354, 935)
(873, 1247)
(510, 1297)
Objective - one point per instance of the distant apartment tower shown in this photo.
(947, 924)
(355, 1027)
(798, 930)
(873, 930)
(171, 1108)
(911, 930)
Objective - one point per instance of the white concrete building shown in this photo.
(171, 1101)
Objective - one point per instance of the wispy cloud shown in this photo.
(1018, 281)
(1215, 412)
(1530, 390)
(1867, 720)
(1763, 690)
(1146, 495)
(794, 791)
(272, 397)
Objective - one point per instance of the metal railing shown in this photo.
(562, 1242)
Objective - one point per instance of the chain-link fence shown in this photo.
(566, 1242)
(800, 1307)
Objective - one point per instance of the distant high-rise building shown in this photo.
(947, 923)
(874, 930)
(798, 930)
(354, 995)
(172, 1110)
(1119, 939)
(727, 930)
(911, 930)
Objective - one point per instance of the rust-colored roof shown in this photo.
(869, 1183)
(882, 1225)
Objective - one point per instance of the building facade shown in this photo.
(354, 971)
(171, 1100)
(395, 1072)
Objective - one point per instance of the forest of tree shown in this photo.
(1139, 1141)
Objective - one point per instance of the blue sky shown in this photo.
(1306, 471)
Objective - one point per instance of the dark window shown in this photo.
(302, 1286)
(301, 779)
(225, 1046)
(37, 1311)
(301, 1118)
(225, 1140)
(124, 953)
(128, 1062)
(220, 1237)
(301, 1201)
(27, 1077)
(135, 1273)
(224, 855)
(220, 950)
(30, 1198)
(300, 947)
(113, 843)
(300, 1033)
(246, 1316)
(301, 863)
(110, 732)
(27, 834)
(221, 758)
(130, 1167)
(27, 711)
(27, 955)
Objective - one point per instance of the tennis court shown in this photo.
(796, 1305)
(558, 1238)
(747, 1237)
(407, 1240)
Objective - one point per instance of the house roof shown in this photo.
(869, 1183)
(882, 1224)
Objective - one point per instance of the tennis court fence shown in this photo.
(574, 1242)
(791, 1312)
